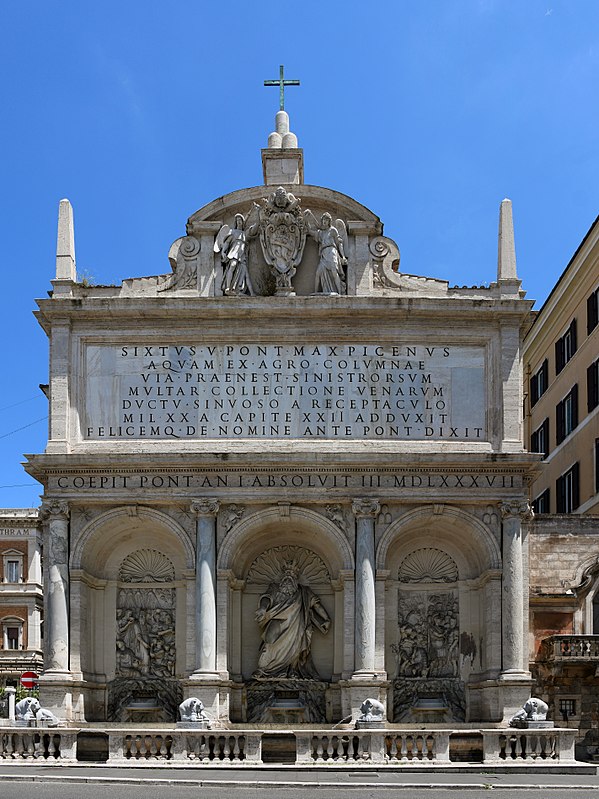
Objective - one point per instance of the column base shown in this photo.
(62, 695)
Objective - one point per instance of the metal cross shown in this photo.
(281, 83)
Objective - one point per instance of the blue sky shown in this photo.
(429, 113)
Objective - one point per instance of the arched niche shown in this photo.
(443, 592)
(251, 555)
(129, 560)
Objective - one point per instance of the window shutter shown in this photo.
(534, 442)
(575, 485)
(574, 393)
(559, 423)
(546, 433)
(559, 355)
(534, 390)
(560, 494)
(573, 336)
(592, 386)
(592, 312)
(545, 372)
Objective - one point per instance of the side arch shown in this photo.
(255, 533)
(119, 523)
(472, 543)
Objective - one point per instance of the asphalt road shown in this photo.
(60, 790)
(39, 782)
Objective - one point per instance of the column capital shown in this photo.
(205, 507)
(362, 508)
(516, 508)
(54, 509)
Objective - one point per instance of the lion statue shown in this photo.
(192, 710)
(533, 710)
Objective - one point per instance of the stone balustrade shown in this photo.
(503, 746)
(200, 746)
(127, 746)
(35, 744)
(571, 647)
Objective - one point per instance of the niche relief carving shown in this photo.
(145, 616)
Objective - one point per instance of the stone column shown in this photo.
(514, 646)
(365, 511)
(205, 510)
(55, 513)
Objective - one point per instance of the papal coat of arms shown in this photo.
(283, 237)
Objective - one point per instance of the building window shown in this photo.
(539, 382)
(597, 465)
(565, 347)
(567, 708)
(568, 490)
(541, 503)
(593, 311)
(566, 415)
(12, 637)
(13, 566)
(539, 440)
(593, 386)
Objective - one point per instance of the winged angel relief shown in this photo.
(332, 249)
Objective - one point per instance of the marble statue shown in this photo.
(191, 710)
(534, 710)
(372, 710)
(287, 614)
(282, 236)
(232, 244)
(332, 248)
(29, 709)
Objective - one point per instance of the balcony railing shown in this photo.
(565, 648)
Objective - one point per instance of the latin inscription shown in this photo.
(464, 481)
(361, 391)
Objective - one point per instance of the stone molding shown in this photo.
(205, 507)
(516, 508)
(364, 508)
(54, 509)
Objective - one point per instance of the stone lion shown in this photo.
(29, 709)
(192, 709)
(372, 710)
(533, 710)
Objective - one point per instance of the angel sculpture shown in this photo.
(332, 246)
(232, 245)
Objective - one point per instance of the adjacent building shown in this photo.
(21, 602)
(561, 365)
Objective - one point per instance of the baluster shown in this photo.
(241, 747)
(157, 742)
(430, 747)
(319, 750)
(335, 747)
(326, 745)
(419, 746)
(212, 747)
(204, 749)
(409, 747)
(17, 745)
(533, 742)
(345, 748)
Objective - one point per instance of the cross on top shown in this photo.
(281, 83)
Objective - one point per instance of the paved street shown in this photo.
(109, 783)
(60, 790)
